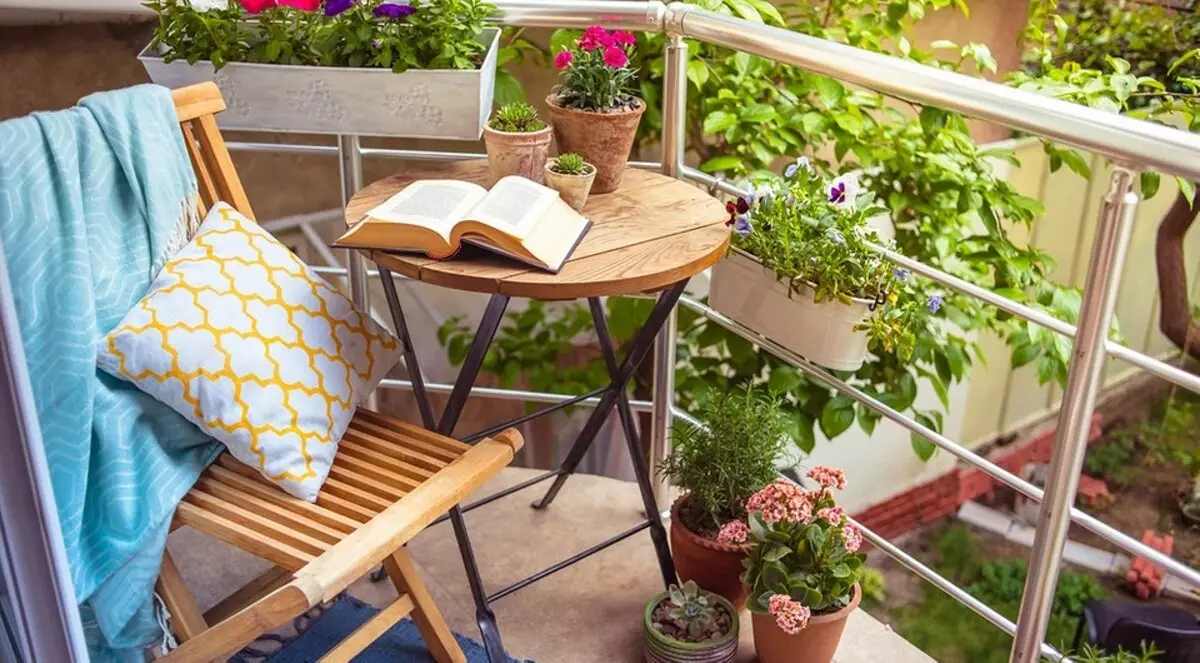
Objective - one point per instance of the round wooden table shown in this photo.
(651, 232)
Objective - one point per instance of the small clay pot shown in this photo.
(714, 566)
(602, 139)
(517, 153)
(815, 643)
(663, 649)
(573, 189)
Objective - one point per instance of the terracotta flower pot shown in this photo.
(815, 643)
(714, 566)
(602, 139)
(573, 189)
(517, 153)
(663, 649)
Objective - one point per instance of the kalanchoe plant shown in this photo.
(571, 164)
(803, 556)
(816, 237)
(516, 117)
(596, 73)
(692, 606)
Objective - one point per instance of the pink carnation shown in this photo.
(563, 59)
(733, 532)
(853, 536)
(832, 514)
(624, 38)
(596, 37)
(256, 6)
(782, 500)
(790, 615)
(615, 57)
(828, 477)
(302, 5)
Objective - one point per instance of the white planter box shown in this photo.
(420, 103)
(822, 333)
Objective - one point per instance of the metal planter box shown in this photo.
(419, 103)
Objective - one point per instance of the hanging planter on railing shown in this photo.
(413, 69)
(802, 272)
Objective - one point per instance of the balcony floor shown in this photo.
(588, 612)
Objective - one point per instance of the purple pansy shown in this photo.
(935, 303)
(844, 190)
(742, 225)
(335, 7)
(394, 10)
(795, 167)
(900, 273)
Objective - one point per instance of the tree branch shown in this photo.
(1175, 314)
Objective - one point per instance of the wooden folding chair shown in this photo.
(389, 481)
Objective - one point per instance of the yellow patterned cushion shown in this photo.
(243, 339)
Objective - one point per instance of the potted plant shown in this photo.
(375, 67)
(720, 464)
(572, 178)
(689, 625)
(518, 142)
(803, 273)
(802, 569)
(594, 111)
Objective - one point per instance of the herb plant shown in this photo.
(389, 34)
(516, 117)
(803, 557)
(596, 75)
(723, 462)
(571, 164)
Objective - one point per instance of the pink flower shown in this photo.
(302, 5)
(624, 38)
(828, 477)
(790, 615)
(615, 57)
(563, 59)
(733, 532)
(782, 500)
(596, 37)
(255, 6)
(853, 536)
(832, 514)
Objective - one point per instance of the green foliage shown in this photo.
(516, 117)
(441, 34)
(571, 164)
(692, 606)
(873, 584)
(514, 50)
(813, 561)
(1091, 654)
(592, 80)
(1112, 459)
(728, 459)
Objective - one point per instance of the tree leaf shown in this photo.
(718, 121)
(1150, 183)
(837, 416)
(1188, 189)
(723, 162)
(923, 448)
(802, 432)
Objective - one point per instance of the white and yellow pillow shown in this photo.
(243, 339)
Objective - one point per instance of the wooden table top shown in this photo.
(651, 232)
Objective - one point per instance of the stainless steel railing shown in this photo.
(1132, 144)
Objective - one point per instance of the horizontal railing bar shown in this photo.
(642, 16)
(511, 394)
(341, 271)
(1130, 141)
(1152, 365)
(281, 148)
(1110, 534)
(419, 155)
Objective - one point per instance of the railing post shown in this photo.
(1074, 419)
(674, 113)
(350, 164)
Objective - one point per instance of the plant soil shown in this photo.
(677, 629)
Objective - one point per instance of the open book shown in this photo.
(518, 218)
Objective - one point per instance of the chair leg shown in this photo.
(186, 620)
(436, 633)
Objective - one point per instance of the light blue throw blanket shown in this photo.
(93, 200)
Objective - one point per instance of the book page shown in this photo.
(436, 204)
(556, 234)
(514, 205)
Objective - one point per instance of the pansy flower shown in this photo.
(900, 273)
(934, 303)
(795, 167)
(736, 208)
(844, 190)
(742, 225)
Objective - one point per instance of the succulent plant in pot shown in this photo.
(719, 466)
(594, 111)
(689, 625)
(572, 178)
(518, 142)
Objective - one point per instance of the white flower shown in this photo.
(844, 190)
(208, 5)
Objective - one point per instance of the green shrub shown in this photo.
(1112, 460)
(517, 117)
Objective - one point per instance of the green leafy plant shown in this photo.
(516, 117)
(1090, 654)
(873, 584)
(725, 460)
(571, 164)
(1112, 459)
(440, 34)
(692, 606)
(596, 73)
(803, 558)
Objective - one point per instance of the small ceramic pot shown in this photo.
(715, 566)
(661, 648)
(602, 139)
(573, 189)
(517, 153)
(815, 643)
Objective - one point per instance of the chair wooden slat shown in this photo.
(269, 531)
(269, 509)
(240, 536)
(384, 461)
(261, 491)
(379, 445)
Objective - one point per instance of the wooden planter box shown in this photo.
(824, 334)
(420, 103)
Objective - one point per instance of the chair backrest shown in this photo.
(197, 106)
(1178, 645)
